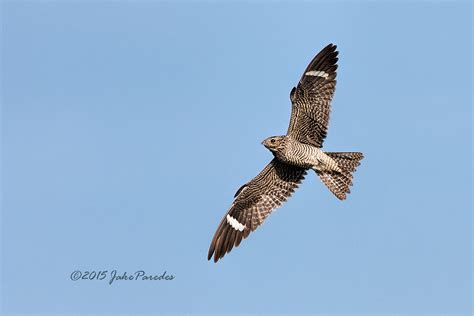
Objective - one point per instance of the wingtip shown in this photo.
(334, 52)
(211, 250)
(216, 257)
(209, 256)
(331, 46)
(216, 249)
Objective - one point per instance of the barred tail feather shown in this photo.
(339, 182)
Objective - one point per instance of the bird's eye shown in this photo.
(272, 140)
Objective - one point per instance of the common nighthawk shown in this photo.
(294, 153)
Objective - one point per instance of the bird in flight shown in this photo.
(294, 153)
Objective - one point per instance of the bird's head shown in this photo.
(274, 143)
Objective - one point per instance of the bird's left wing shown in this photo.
(253, 202)
(311, 99)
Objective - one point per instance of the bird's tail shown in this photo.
(339, 182)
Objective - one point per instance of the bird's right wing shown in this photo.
(253, 202)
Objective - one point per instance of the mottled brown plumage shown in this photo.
(253, 202)
(311, 99)
(294, 154)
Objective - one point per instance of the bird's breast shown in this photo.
(299, 154)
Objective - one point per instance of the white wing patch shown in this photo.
(315, 73)
(234, 223)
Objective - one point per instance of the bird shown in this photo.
(294, 154)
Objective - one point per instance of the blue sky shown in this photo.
(128, 126)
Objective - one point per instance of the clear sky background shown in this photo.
(128, 126)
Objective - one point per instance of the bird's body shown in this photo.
(302, 155)
(294, 153)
